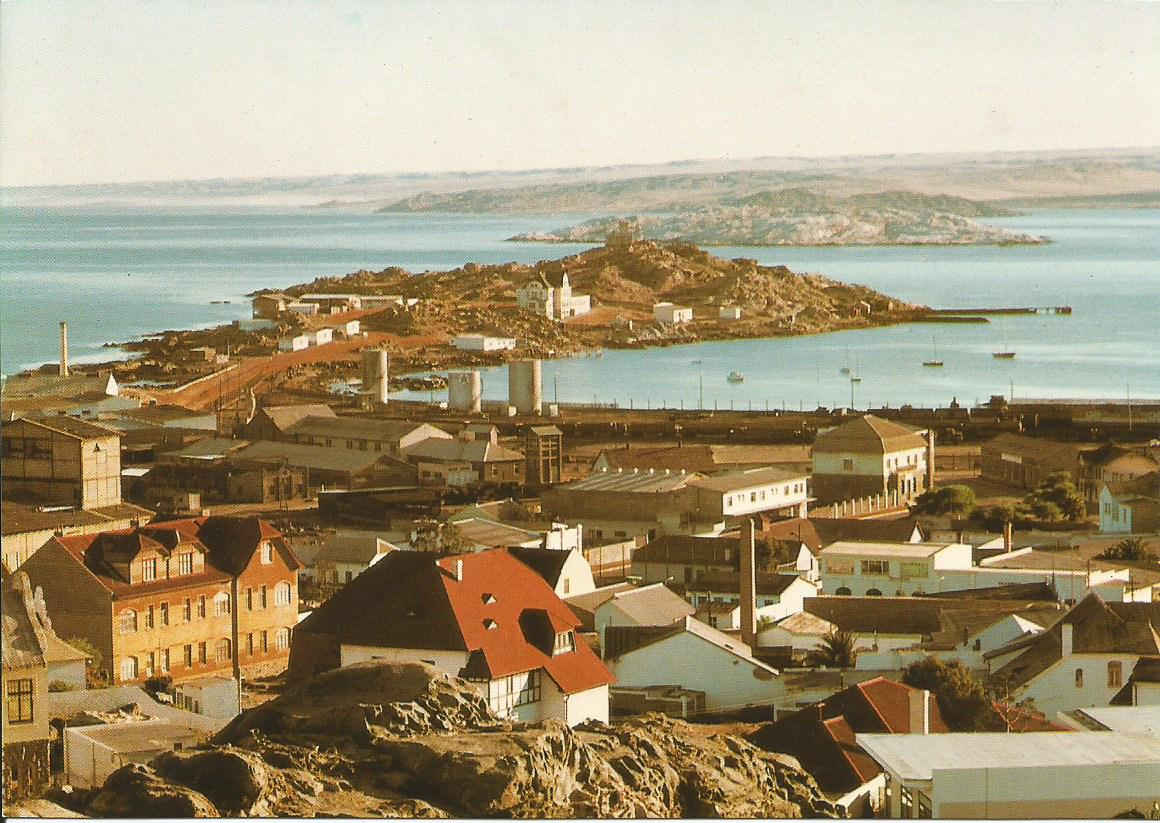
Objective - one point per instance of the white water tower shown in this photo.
(465, 391)
(375, 368)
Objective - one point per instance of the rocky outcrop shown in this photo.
(392, 741)
(138, 791)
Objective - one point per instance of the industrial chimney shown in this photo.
(63, 349)
(930, 458)
(748, 584)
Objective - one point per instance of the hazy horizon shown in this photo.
(103, 93)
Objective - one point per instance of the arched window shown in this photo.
(222, 651)
(1079, 678)
(1115, 674)
(873, 592)
(282, 594)
(129, 668)
(843, 591)
(221, 604)
(282, 639)
(128, 622)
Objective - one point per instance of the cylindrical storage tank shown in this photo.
(465, 391)
(525, 385)
(374, 372)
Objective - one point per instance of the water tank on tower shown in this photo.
(465, 391)
(525, 386)
(374, 373)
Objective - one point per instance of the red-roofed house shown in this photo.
(821, 737)
(185, 598)
(486, 617)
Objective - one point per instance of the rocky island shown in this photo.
(799, 217)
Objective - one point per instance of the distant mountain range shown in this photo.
(1087, 177)
(799, 217)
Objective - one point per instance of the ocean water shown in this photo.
(119, 274)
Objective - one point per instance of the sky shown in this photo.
(162, 90)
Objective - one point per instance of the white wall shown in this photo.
(591, 704)
(450, 662)
(693, 663)
(1054, 690)
(576, 576)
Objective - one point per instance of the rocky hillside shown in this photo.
(389, 740)
(799, 217)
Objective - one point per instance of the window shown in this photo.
(1079, 678)
(187, 610)
(149, 569)
(185, 563)
(268, 552)
(150, 664)
(263, 598)
(873, 592)
(349, 577)
(906, 799)
(567, 585)
(282, 592)
(265, 641)
(201, 652)
(565, 642)
(876, 568)
(282, 639)
(128, 621)
(250, 599)
(165, 660)
(843, 591)
(924, 810)
(514, 690)
(129, 668)
(847, 464)
(1115, 674)
(221, 604)
(149, 617)
(221, 650)
(839, 566)
(188, 655)
(20, 700)
(913, 570)
(250, 643)
(201, 606)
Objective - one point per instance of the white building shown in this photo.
(92, 753)
(486, 617)
(350, 328)
(729, 313)
(481, 342)
(694, 656)
(671, 313)
(549, 294)
(870, 456)
(1016, 776)
(320, 337)
(875, 569)
(654, 605)
(748, 491)
(567, 572)
(296, 343)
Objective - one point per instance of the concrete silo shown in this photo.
(465, 391)
(526, 386)
(374, 374)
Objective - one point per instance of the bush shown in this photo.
(956, 499)
(962, 700)
(1055, 499)
(158, 684)
(994, 518)
(61, 686)
(1130, 549)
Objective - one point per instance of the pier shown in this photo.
(1017, 310)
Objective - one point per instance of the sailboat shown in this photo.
(846, 368)
(1006, 354)
(934, 361)
(854, 376)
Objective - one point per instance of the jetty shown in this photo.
(1016, 310)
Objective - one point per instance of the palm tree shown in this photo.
(836, 650)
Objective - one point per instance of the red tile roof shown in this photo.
(501, 612)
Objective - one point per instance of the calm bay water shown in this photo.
(119, 274)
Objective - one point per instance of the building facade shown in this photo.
(62, 460)
(870, 456)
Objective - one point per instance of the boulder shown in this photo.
(138, 791)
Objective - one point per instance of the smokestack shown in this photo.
(1008, 536)
(63, 349)
(1066, 637)
(919, 705)
(748, 584)
(459, 570)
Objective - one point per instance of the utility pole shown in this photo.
(1129, 389)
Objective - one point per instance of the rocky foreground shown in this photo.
(797, 217)
(389, 740)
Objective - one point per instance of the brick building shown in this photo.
(187, 598)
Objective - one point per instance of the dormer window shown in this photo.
(490, 624)
(267, 554)
(185, 563)
(565, 642)
(149, 569)
(488, 598)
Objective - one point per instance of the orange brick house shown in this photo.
(186, 598)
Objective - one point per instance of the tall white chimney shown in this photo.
(459, 570)
(1066, 638)
(63, 349)
(919, 706)
(748, 584)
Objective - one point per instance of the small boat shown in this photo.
(1003, 355)
(736, 377)
(844, 370)
(855, 379)
(934, 362)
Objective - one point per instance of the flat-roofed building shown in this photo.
(729, 495)
(61, 460)
(875, 569)
(618, 504)
(1016, 776)
(364, 434)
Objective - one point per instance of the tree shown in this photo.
(954, 499)
(1130, 549)
(836, 651)
(1056, 498)
(962, 701)
(994, 518)
(95, 676)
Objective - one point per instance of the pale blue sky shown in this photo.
(123, 91)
